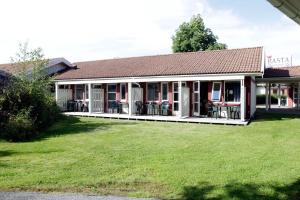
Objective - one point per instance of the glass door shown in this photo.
(196, 98)
(175, 98)
(295, 95)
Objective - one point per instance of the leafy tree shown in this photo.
(194, 36)
(26, 104)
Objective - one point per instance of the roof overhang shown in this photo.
(199, 77)
(278, 80)
(290, 8)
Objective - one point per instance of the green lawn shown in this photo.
(159, 159)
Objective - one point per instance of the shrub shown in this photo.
(19, 127)
(26, 104)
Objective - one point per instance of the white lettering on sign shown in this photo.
(279, 61)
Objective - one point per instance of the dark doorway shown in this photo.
(203, 97)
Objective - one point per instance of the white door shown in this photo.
(98, 100)
(185, 102)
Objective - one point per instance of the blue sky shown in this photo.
(255, 11)
(99, 29)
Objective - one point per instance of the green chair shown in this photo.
(236, 112)
(212, 110)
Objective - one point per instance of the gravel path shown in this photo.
(59, 196)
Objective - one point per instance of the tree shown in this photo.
(194, 36)
(26, 104)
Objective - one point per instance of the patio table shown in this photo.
(228, 107)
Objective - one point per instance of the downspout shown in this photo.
(287, 8)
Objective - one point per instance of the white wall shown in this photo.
(254, 90)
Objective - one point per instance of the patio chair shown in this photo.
(212, 110)
(155, 108)
(235, 111)
(78, 106)
(85, 107)
(123, 107)
(113, 107)
(71, 104)
(139, 107)
(165, 106)
(150, 108)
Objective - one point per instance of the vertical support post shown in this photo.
(90, 98)
(180, 98)
(298, 96)
(56, 92)
(130, 99)
(243, 100)
(267, 95)
(270, 98)
(279, 95)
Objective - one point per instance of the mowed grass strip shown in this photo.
(159, 159)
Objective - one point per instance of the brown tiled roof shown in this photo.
(282, 72)
(9, 68)
(247, 60)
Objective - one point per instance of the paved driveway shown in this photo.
(58, 196)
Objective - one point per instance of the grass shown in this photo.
(159, 159)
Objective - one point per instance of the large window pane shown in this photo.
(176, 87)
(111, 96)
(79, 91)
(176, 97)
(176, 107)
(123, 91)
(165, 91)
(216, 93)
(232, 91)
(153, 91)
(112, 88)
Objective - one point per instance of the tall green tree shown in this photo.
(194, 36)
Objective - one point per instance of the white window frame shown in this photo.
(147, 92)
(64, 87)
(83, 95)
(295, 97)
(212, 92)
(111, 93)
(196, 112)
(176, 112)
(121, 91)
(224, 90)
(161, 90)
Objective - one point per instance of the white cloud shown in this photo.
(96, 29)
(280, 38)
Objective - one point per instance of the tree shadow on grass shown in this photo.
(240, 191)
(74, 125)
(262, 116)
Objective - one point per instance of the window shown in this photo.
(97, 86)
(164, 91)
(216, 92)
(86, 91)
(111, 94)
(232, 91)
(175, 97)
(63, 86)
(79, 90)
(123, 91)
(153, 91)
